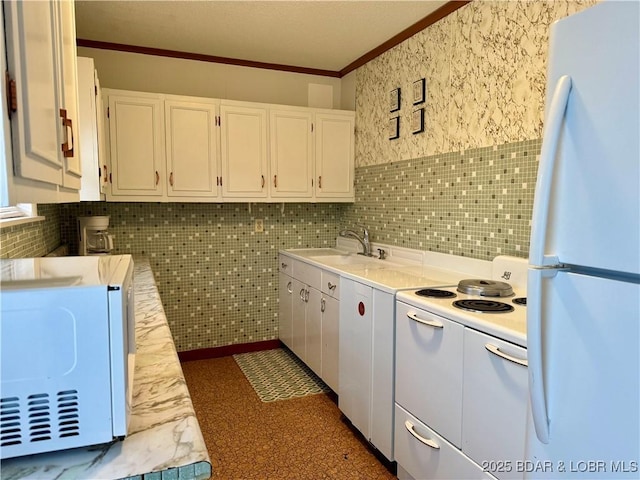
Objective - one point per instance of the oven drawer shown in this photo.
(429, 369)
(439, 460)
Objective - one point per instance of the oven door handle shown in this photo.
(427, 441)
(512, 358)
(431, 323)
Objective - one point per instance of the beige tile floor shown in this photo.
(301, 438)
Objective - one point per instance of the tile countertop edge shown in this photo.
(164, 438)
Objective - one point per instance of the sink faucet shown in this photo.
(364, 239)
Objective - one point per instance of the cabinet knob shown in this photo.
(361, 309)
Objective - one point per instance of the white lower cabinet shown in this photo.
(423, 453)
(470, 394)
(309, 316)
(285, 306)
(367, 362)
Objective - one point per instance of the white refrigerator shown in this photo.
(583, 307)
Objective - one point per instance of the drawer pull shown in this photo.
(332, 286)
(284, 265)
(431, 323)
(427, 441)
(322, 305)
(496, 351)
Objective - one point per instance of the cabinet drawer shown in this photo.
(285, 264)
(307, 274)
(429, 369)
(439, 460)
(330, 284)
(494, 406)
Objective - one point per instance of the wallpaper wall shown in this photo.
(485, 70)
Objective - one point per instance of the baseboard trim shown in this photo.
(227, 350)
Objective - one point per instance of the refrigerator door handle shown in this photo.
(537, 395)
(550, 137)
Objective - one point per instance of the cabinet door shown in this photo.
(334, 146)
(136, 131)
(382, 378)
(434, 345)
(243, 139)
(298, 320)
(291, 143)
(313, 335)
(72, 171)
(356, 316)
(330, 308)
(89, 136)
(191, 149)
(494, 405)
(285, 305)
(31, 49)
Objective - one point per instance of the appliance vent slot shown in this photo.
(10, 428)
(39, 415)
(68, 413)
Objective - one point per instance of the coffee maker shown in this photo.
(93, 238)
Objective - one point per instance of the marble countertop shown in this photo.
(164, 440)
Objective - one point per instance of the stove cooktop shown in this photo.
(504, 317)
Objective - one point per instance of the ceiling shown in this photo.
(312, 34)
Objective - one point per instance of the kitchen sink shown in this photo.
(354, 259)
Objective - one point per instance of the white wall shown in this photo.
(148, 73)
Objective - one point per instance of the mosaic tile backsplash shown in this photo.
(217, 278)
(475, 203)
(32, 239)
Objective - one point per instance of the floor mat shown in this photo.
(279, 375)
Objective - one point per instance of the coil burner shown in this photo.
(435, 293)
(483, 306)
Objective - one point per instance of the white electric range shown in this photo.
(461, 377)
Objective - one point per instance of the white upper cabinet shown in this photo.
(177, 148)
(192, 149)
(41, 57)
(291, 142)
(243, 135)
(136, 138)
(72, 171)
(334, 155)
(90, 131)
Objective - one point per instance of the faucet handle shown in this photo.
(365, 230)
